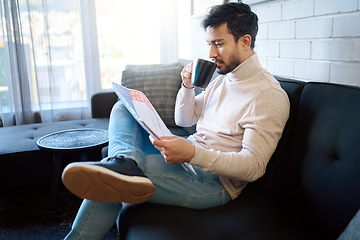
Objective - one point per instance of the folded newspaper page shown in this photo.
(144, 113)
(142, 110)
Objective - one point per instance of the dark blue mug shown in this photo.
(202, 71)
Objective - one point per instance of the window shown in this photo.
(53, 35)
(3, 84)
(41, 59)
(54, 55)
(128, 32)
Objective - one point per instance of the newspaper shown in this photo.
(145, 114)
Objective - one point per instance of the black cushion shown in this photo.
(319, 174)
(251, 216)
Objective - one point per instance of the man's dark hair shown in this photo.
(239, 18)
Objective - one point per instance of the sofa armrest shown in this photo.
(102, 103)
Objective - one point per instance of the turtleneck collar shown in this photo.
(245, 69)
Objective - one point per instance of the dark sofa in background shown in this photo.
(311, 189)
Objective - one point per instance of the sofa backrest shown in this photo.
(293, 88)
(318, 174)
(102, 103)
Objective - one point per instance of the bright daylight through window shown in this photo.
(54, 55)
(128, 33)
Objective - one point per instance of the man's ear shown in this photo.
(245, 41)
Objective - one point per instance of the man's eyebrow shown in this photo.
(215, 40)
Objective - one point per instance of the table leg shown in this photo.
(55, 177)
(83, 156)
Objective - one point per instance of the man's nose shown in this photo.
(213, 52)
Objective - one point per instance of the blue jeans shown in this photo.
(174, 185)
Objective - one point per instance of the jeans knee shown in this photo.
(210, 200)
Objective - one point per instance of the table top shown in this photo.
(74, 139)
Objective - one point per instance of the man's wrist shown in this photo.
(187, 87)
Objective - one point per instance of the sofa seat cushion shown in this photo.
(251, 216)
(23, 137)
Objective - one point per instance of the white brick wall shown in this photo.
(334, 6)
(281, 30)
(351, 21)
(271, 12)
(332, 49)
(263, 32)
(345, 73)
(281, 67)
(311, 40)
(269, 48)
(314, 70)
(295, 49)
(297, 9)
(314, 28)
(356, 53)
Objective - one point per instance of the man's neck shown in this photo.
(247, 54)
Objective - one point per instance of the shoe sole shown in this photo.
(100, 184)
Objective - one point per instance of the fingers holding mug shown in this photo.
(186, 75)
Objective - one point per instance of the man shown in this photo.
(240, 118)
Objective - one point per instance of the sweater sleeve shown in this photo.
(263, 126)
(187, 107)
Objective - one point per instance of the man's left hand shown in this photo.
(175, 150)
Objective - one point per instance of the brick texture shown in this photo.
(313, 40)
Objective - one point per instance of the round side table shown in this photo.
(73, 140)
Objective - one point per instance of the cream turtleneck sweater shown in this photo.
(240, 118)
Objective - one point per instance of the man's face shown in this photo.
(223, 48)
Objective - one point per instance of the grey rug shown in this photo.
(30, 215)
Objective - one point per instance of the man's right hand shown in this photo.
(186, 75)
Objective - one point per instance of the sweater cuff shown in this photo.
(182, 84)
(197, 159)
